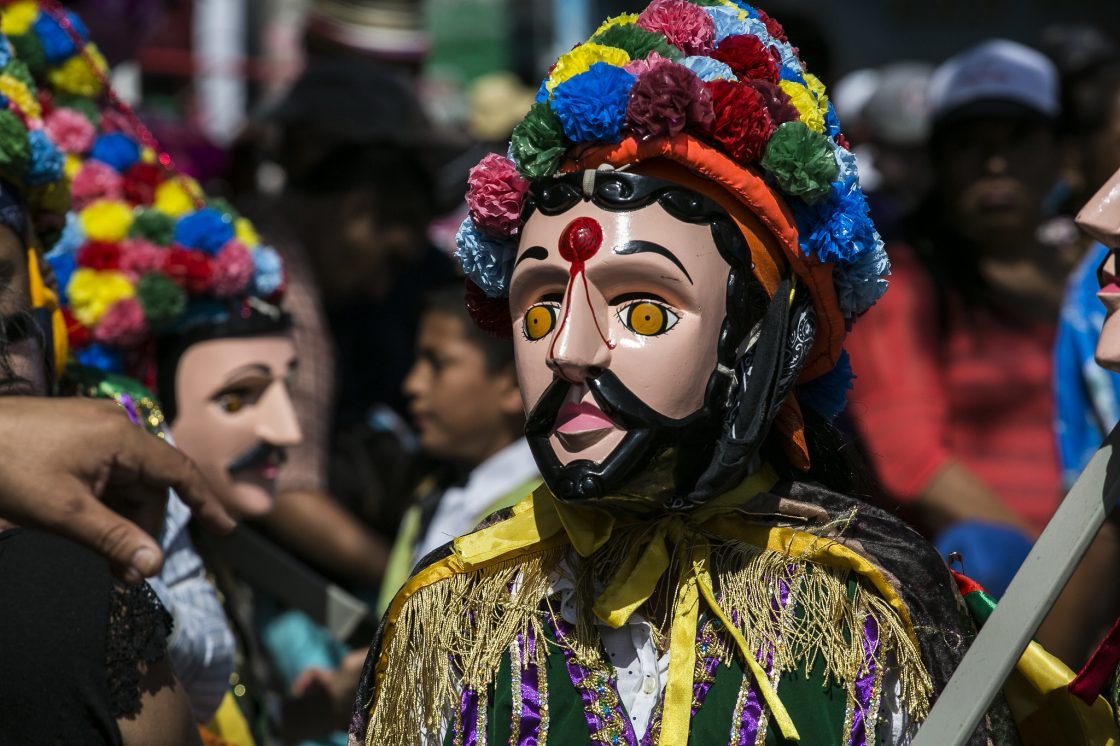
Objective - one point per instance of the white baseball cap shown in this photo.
(997, 77)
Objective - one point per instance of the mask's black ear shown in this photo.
(764, 375)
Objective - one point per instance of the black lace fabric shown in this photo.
(139, 626)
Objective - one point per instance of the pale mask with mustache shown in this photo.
(234, 416)
(633, 309)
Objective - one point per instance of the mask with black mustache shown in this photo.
(261, 453)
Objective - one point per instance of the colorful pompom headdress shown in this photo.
(143, 254)
(711, 95)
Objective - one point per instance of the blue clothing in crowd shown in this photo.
(1086, 396)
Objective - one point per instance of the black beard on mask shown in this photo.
(648, 434)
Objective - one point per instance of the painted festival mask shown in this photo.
(1100, 218)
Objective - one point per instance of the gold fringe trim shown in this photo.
(431, 652)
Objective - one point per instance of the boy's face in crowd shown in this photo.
(24, 371)
(995, 174)
(462, 410)
(235, 416)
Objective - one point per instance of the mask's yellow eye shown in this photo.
(231, 403)
(539, 321)
(648, 318)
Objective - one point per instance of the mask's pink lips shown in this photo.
(581, 418)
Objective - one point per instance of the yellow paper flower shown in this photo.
(246, 233)
(71, 165)
(147, 155)
(743, 15)
(806, 104)
(18, 17)
(78, 76)
(817, 87)
(583, 57)
(106, 220)
(15, 90)
(177, 196)
(620, 20)
(93, 292)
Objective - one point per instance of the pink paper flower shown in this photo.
(495, 194)
(232, 270)
(122, 325)
(115, 121)
(637, 67)
(667, 99)
(69, 130)
(139, 257)
(95, 181)
(685, 25)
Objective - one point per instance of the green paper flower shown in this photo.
(153, 226)
(637, 42)
(223, 206)
(80, 104)
(707, 3)
(538, 142)
(14, 148)
(18, 70)
(30, 52)
(161, 299)
(801, 161)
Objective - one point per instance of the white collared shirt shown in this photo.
(460, 508)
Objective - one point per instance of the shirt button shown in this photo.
(648, 685)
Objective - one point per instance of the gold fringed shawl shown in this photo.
(716, 556)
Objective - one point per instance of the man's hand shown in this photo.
(63, 457)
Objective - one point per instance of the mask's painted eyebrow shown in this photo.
(638, 247)
(533, 252)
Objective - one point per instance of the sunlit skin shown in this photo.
(462, 411)
(648, 305)
(232, 397)
(26, 371)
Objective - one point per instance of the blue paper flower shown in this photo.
(268, 271)
(591, 106)
(861, 284)
(542, 92)
(792, 75)
(751, 12)
(55, 40)
(115, 149)
(727, 23)
(45, 164)
(5, 52)
(63, 266)
(831, 121)
(708, 69)
(70, 240)
(839, 230)
(207, 230)
(828, 394)
(488, 262)
(101, 357)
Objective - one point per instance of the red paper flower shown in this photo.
(188, 269)
(140, 182)
(495, 193)
(685, 25)
(665, 100)
(76, 333)
(98, 255)
(742, 123)
(772, 26)
(778, 103)
(491, 315)
(748, 58)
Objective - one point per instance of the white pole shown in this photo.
(219, 47)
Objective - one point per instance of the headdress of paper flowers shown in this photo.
(143, 251)
(720, 71)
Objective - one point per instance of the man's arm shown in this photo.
(66, 461)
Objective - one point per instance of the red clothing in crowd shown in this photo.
(978, 390)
